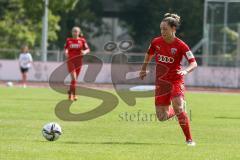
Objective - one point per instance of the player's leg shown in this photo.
(24, 76)
(73, 84)
(71, 70)
(77, 65)
(164, 111)
(24, 79)
(178, 106)
(183, 119)
(77, 72)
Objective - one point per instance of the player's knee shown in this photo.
(177, 102)
(178, 110)
(162, 117)
(74, 78)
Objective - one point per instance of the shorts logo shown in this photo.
(165, 59)
(173, 51)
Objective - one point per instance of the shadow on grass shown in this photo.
(35, 99)
(225, 117)
(118, 143)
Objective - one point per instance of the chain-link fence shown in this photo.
(221, 33)
(224, 60)
(13, 54)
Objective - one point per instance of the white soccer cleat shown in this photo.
(191, 143)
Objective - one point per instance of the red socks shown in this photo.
(183, 122)
(73, 87)
(185, 125)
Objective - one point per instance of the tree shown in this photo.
(87, 15)
(142, 18)
(21, 21)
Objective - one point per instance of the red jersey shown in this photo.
(169, 56)
(75, 46)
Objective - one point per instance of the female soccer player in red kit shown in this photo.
(75, 48)
(169, 52)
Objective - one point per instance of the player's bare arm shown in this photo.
(143, 71)
(66, 53)
(86, 51)
(190, 68)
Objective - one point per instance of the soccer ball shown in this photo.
(9, 84)
(51, 131)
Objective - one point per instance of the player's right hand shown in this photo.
(142, 74)
(66, 56)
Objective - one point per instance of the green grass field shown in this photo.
(23, 112)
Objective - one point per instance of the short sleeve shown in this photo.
(151, 49)
(188, 53)
(30, 57)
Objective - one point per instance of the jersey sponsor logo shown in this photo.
(173, 51)
(74, 46)
(165, 59)
(189, 55)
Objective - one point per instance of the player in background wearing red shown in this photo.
(169, 52)
(75, 48)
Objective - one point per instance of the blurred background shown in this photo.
(210, 27)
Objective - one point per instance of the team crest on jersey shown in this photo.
(173, 51)
(158, 47)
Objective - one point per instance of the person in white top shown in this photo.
(25, 61)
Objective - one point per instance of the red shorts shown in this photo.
(74, 64)
(165, 91)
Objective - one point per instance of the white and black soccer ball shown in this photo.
(51, 131)
(9, 84)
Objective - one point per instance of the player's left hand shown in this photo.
(83, 52)
(182, 73)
